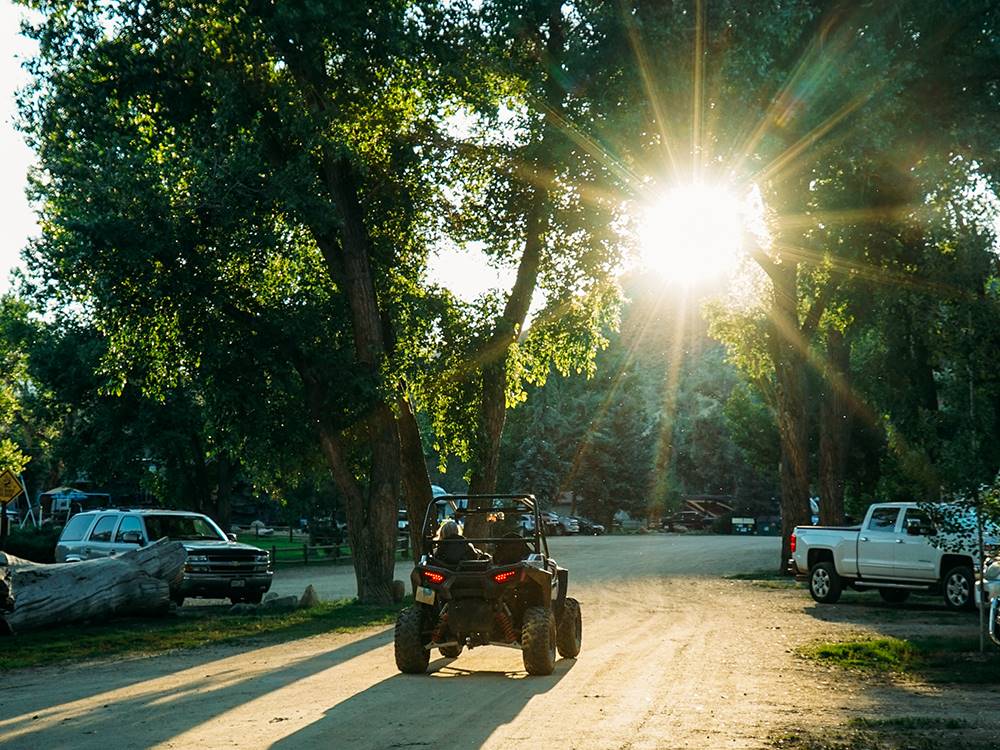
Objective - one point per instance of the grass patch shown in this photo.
(769, 579)
(889, 733)
(937, 660)
(908, 723)
(879, 654)
(760, 575)
(869, 740)
(185, 630)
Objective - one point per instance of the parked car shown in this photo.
(556, 525)
(587, 526)
(218, 567)
(891, 551)
(685, 520)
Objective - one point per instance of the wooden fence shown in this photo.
(323, 553)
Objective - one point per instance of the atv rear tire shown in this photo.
(570, 635)
(411, 656)
(451, 652)
(538, 640)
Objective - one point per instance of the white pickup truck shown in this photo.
(891, 551)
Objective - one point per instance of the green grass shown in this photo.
(888, 733)
(878, 654)
(190, 628)
(770, 579)
(908, 723)
(937, 660)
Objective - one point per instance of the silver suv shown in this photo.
(217, 566)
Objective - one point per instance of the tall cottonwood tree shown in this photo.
(249, 174)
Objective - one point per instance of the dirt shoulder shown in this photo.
(674, 656)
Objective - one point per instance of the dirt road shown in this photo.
(674, 656)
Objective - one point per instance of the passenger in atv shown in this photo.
(511, 549)
(451, 547)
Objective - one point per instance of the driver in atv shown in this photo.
(451, 548)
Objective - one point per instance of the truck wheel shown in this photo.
(411, 656)
(569, 637)
(958, 587)
(894, 596)
(825, 584)
(538, 640)
(451, 652)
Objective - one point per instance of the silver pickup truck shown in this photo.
(896, 550)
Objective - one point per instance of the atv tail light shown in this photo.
(791, 543)
(505, 576)
(433, 577)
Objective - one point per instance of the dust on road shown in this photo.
(674, 656)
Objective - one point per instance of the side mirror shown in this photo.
(132, 537)
(231, 536)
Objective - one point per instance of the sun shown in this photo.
(692, 234)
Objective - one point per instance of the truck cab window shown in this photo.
(883, 519)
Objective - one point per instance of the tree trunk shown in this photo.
(786, 345)
(492, 416)
(835, 431)
(138, 582)
(493, 356)
(222, 505)
(416, 482)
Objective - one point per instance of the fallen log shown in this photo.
(138, 582)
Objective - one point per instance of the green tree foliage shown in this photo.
(663, 416)
(15, 419)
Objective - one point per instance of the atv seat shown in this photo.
(511, 549)
(451, 553)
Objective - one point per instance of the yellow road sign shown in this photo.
(9, 486)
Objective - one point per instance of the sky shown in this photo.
(18, 220)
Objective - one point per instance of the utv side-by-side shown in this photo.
(499, 587)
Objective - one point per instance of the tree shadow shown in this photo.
(159, 711)
(450, 707)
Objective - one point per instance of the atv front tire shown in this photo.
(570, 636)
(411, 656)
(538, 640)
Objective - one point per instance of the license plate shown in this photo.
(425, 595)
(237, 584)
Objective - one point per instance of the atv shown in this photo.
(508, 592)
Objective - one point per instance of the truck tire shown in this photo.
(825, 583)
(958, 587)
(538, 640)
(569, 638)
(411, 656)
(894, 596)
(451, 652)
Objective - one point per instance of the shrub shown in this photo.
(35, 544)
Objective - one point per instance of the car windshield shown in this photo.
(182, 527)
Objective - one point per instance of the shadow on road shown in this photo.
(162, 706)
(451, 707)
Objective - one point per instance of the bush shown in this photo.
(37, 545)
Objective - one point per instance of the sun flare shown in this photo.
(692, 234)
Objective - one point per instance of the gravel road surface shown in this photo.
(674, 656)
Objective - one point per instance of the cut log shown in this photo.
(138, 582)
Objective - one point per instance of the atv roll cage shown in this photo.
(496, 506)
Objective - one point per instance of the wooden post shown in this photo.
(305, 553)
